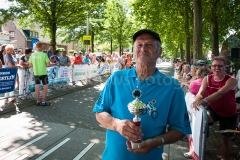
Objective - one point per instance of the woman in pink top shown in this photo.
(196, 84)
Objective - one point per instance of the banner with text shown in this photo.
(7, 79)
(56, 75)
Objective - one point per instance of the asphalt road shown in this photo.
(66, 130)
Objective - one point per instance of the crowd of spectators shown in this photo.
(214, 89)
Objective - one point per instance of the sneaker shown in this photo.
(38, 103)
(187, 155)
(45, 103)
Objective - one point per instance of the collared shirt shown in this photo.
(165, 103)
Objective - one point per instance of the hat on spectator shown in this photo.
(144, 31)
(201, 62)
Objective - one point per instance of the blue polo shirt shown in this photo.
(165, 104)
(85, 60)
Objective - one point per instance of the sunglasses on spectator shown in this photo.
(215, 66)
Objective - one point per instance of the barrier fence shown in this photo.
(199, 125)
(57, 75)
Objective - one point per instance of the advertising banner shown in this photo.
(56, 75)
(7, 79)
(80, 72)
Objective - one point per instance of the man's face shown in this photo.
(145, 49)
(218, 67)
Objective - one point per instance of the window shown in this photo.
(12, 34)
(0, 28)
(31, 34)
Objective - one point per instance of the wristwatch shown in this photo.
(161, 140)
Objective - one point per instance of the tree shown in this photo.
(116, 24)
(197, 32)
(50, 14)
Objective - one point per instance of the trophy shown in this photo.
(136, 107)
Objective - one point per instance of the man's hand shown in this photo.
(143, 148)
(197, 103)
(129, 130)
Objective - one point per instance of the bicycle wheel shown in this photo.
(154, 114)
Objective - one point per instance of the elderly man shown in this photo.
(162, 96)
(221, 100)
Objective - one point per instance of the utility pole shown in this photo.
(87, 31)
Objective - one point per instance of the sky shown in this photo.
(4, 4)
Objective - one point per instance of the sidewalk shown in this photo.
(171, 152)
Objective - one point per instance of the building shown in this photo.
(22, 38)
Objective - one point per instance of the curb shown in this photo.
(56, 93)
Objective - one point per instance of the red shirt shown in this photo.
(77, 60)
(224, 106)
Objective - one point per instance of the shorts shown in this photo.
(224, 122)
(43, 79)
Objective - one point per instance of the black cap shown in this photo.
(143, 31)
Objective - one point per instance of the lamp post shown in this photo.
(87, 31)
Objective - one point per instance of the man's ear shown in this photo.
(160, 52)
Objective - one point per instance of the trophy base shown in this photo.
(135, 145)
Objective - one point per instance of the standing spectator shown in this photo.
(9, 63)
(145, 83)
(50, 51)
(78, 58)
(40, 61)
(19, 55)
(64, 60)
(56, 55)
(2, 53)
(221, 99)
(194, 88)
(128, 61)
(23, 73)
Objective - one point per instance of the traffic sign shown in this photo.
(87, 40)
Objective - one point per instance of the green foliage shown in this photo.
(50, 14)
(60, 49)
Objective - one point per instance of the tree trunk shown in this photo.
(187, 33)
(181, 51)
(53, 36)
(92, 42)
(197, 29)
(214, 28)
(111, 43)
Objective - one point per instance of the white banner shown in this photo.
(80, 72)
(93, 70)
(195, 117)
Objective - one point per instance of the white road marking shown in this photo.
(22, 157)
(22, 147)
(79, 156)
(10, 136)
(53, 149)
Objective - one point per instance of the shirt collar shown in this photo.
(154, 79)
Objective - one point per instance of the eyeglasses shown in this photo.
(215, 66)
